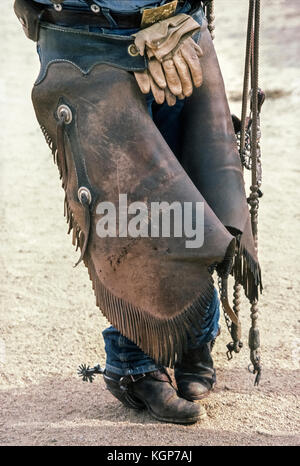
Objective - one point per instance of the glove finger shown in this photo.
(170, 98)
(172, 77)
(198, 49)
(158, 93)
(156, 71)
(184, 74)
(143, 80)
(191, 44)
(140, 45)
(193, 62)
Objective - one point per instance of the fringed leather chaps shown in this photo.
(153, 290)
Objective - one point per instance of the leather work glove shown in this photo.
(173, 59)
(146, 84)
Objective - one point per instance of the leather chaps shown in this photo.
(153, 290)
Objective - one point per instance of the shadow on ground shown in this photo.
(65, 411)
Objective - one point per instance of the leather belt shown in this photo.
(71, 18)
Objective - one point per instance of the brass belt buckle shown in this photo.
(152, 15)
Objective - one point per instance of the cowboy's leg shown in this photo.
(195, 375)
(122, 355)
(209, 154)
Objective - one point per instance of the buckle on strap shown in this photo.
(125, 381)
(152, 15)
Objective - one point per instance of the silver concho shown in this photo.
(65, 111)
(84, 191)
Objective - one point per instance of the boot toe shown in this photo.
(179, 411)
(193, 390)
(163, 402)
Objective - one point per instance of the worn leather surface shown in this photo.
(209, 149)
(207, 125)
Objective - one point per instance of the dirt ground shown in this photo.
(49, 321)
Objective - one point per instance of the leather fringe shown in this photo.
(246, 271)
(78, 234)
(164, 340)
(53, 149)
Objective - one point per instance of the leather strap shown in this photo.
(122, 20)
(71, 17)
(160, 374)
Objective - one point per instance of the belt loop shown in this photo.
(110, 19)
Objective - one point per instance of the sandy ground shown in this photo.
(49, 321)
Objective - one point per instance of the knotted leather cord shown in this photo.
(251, 66)
(210, 16)
(254, 343)
(246, 77)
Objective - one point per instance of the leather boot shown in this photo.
(195, 375)
(154, 391)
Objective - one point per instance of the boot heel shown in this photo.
(122, 395)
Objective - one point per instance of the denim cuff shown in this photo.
(129, 371)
